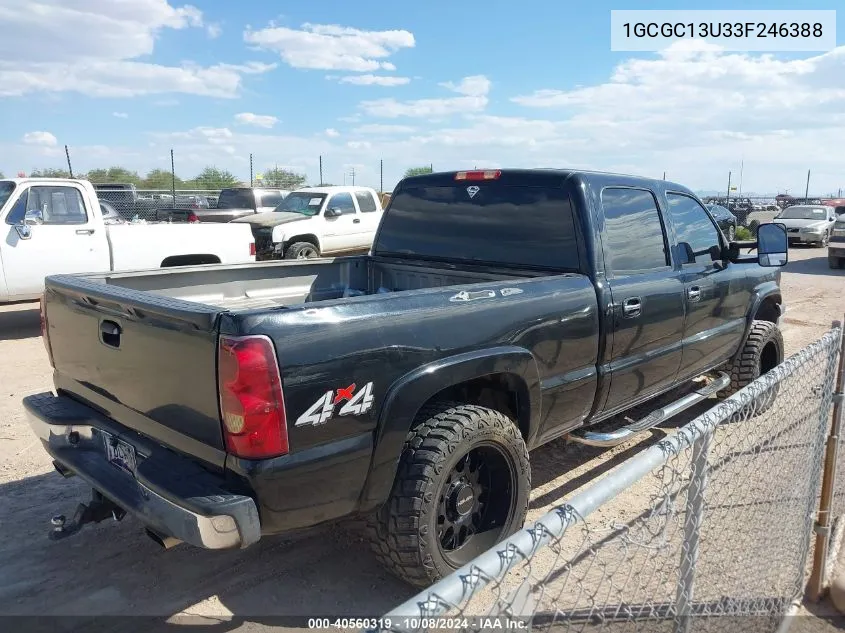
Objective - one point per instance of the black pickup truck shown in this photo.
(497, 310)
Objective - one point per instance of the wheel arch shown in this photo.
(303, 237)
(195, 259)
(507, 377)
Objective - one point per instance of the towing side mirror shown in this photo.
(772, 245)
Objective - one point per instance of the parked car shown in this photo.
(237, 202)
(110, 214)
(836, 247)
(317, 221)
(724, 219)
(56, 225)
(808, 224)
(126, 200)
(497, 311)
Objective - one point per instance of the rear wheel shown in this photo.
(762, 352)
(302, 250)
(461, 487)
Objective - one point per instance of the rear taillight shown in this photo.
(251, 402)
(488, 174)
(193, 217)
(252, 249)
(44, 336)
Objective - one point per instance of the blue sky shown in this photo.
(453, 84)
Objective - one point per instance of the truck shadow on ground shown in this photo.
(813, 266)
(20, 324)
(92, 580)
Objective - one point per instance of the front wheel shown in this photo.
(834, 262)
(762, 352)
(825, 240)
(462, 486)
(302, 250)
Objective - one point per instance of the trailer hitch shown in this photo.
(96, 510)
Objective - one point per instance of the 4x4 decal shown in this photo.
(355, 404)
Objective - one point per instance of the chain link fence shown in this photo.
(707, 530)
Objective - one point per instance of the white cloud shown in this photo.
(473, 91)
(332, 133)
(331, 47)
(258, 120)
(120, 115)
(474, 86)
(92, 47)
(44, 139)
(213, 30)
(374, 80)
(379, 129)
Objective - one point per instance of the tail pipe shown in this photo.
(165, 541)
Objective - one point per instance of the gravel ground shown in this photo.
(112, 569)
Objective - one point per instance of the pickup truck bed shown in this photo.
(290, 284)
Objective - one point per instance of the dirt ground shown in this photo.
(113, 569)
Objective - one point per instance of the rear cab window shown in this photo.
(366, 202)
(489, 223)
(634, 233)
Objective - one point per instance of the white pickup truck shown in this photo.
(317, 221)
(55, 225)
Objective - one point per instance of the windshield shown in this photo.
(803, 213)
(6, 189)
(303, 202)
(236, 199)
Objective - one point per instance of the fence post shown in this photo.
(172, 177)
(815, 586)
(693, 517)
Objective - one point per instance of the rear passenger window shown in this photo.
(693, 227)
(634, 235)
(365, 201)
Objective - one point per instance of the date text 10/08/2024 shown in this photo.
(492, 623)
(723, 29)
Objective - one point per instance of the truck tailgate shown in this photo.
(144, 360)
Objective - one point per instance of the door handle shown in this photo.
(632, 307)
(694, 293)
(84, 231)
(356, 221)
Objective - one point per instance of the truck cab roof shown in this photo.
(544, 176)
(336, 189)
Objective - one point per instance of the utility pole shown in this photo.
(381, 176)
(664, 175)
(251, 184)
(807, 190)
(321, 171)
(741, 167)
(728, 200)
(67, 155)
(172, 177)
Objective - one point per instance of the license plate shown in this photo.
(120, 453)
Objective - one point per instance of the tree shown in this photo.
(418, 171)
(282, 178)
(114, 175)
(50, 172)
(161, 179)
(213, 178)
